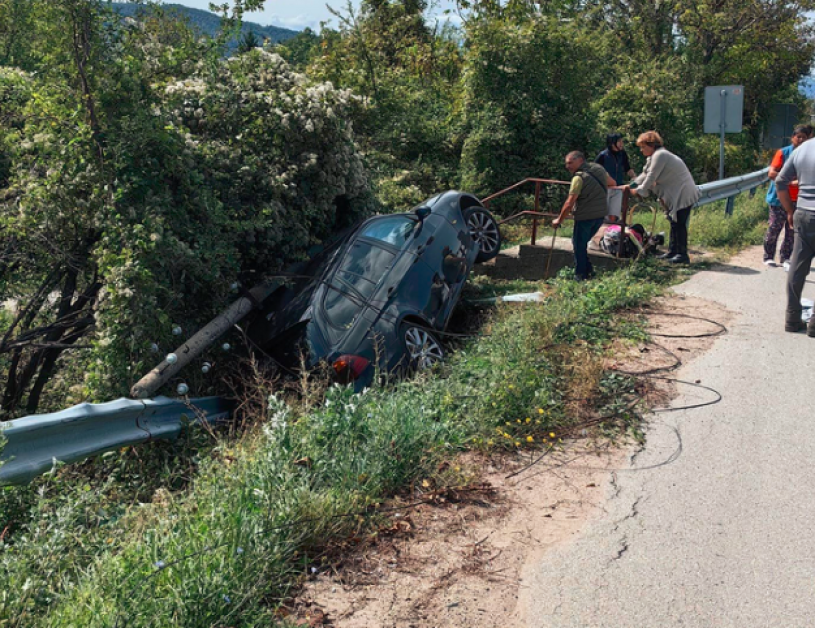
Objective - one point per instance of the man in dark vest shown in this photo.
(587, 201)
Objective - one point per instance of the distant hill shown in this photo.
(208, 23)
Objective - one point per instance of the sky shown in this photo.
(293, 14)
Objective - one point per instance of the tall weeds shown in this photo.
(263, 512)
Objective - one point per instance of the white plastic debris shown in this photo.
(154, 348)
(206, 367)
(523, 297)
(171, 358)
(182, 389)
(226, 346)
(177, 330)
(806, 309)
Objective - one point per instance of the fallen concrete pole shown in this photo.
(196, 345)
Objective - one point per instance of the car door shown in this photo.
(443, 248)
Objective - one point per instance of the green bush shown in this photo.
(141, 201)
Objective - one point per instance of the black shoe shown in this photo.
(795, 326)
(667, 255)
(678, 259)
(811, 328)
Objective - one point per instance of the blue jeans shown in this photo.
(584, 231)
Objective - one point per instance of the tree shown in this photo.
(145, 174)
(528, 87)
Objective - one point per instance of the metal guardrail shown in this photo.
(726, 188)
(36, 442)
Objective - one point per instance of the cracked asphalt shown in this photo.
(712, 524)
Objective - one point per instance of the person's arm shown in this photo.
(629, 171)
(785, 177)
(776, 164)
(568, 206)
(653, 169)
(610, 183)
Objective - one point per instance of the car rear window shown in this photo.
(394, 230)
(354, 281)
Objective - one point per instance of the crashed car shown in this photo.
(378, 297)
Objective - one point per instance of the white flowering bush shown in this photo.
(138, 186)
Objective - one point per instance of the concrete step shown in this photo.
(530, 262)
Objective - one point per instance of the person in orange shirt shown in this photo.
(778, 217)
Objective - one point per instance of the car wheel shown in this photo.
(484, 231)
(422, 347)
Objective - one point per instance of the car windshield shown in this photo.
(394, 230)
(354, 281)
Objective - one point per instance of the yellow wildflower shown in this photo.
(529, 439)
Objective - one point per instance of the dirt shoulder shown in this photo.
(462, 561)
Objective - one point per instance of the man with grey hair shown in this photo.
(799, 166)
(587, 201)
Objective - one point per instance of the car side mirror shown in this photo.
(422, 212)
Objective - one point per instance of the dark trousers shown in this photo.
(778, 222)
(679, 232)
(584, 230)
(803, 250)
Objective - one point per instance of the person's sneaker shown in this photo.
(679, 259)
(667, 255)
(769, 263)
(795, 326)
(787, 266)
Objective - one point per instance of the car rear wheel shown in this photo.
(484, 231)
(422, 347)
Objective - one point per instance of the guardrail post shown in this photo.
(728, 209)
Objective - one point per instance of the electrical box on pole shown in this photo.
(724, 107)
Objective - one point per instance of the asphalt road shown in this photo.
(724, 535)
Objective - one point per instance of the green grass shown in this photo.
(264, 512)
(711, 229)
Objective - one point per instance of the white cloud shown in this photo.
(294, 22)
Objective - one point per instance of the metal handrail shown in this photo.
(485, 201)
(536, 213)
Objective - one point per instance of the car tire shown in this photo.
(422, 347)
(484, 231)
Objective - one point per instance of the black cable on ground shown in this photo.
(722, 328)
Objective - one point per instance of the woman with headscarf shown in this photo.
(667, 177)
(615, 160)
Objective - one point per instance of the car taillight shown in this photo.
(349, 367)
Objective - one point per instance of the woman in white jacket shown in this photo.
(667, 177)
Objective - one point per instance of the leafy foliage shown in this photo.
(145, 174)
